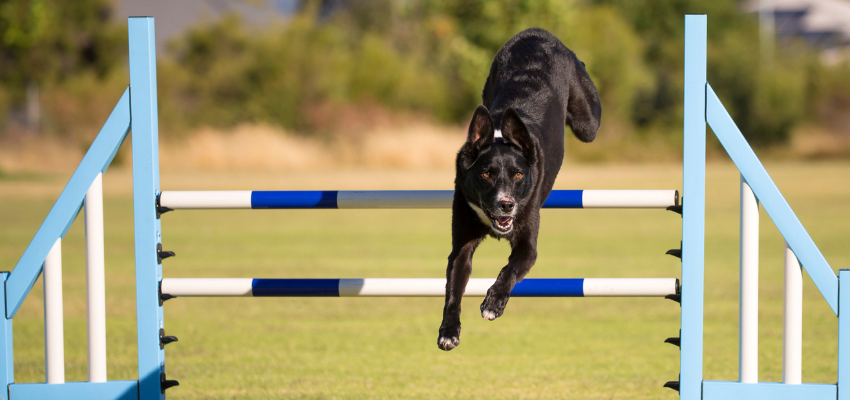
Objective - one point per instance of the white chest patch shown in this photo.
(498, 134)
(480, 213)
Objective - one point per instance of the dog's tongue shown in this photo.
(503, 220)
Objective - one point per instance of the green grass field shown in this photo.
(385, 348)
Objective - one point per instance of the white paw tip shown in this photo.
(448, 343)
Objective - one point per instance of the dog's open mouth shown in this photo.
(502, 223)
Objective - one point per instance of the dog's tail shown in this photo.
(584, 112)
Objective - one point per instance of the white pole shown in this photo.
(54, 336)
(792, 339)
(628, 198)
(362, 199)
(414, 287)
(95, 282)
(748, 352)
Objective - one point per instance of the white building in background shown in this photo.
(825, 24)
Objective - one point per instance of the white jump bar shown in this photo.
(360, 199)
(401, 287)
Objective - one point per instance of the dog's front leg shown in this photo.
(522, 258)
(457, 276)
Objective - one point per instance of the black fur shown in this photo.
(536, 85)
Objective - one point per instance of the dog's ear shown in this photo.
(480, 133)
(481, 127)
(514, 131)
(584, 112)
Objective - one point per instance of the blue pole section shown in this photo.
(693, 208)
(563, 287)
(7, 369)
(564, 199)
(143, 111)
(843, 335)
(329, 199)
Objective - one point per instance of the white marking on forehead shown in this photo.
(498, 133)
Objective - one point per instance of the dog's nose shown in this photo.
(506, 205)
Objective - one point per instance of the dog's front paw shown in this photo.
(494, 304)
(449, 338)
(447, 343)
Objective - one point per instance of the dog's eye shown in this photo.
(518, 175)
(486, 175)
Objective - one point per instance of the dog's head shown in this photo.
(496, 168)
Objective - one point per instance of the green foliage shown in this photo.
(77, 108)
(426, 56)
(616, 67)
(45, 42)
(765, 97)
(4, 104)
(778, 104)
(828, 95)
(224, 74)
(53, 45)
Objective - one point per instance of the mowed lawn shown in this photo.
(385, 348)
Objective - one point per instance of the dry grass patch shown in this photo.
(38, 154)
(266, 148)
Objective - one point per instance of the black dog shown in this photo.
(536, 84)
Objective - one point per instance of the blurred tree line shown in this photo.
(424, 56)
(55, 59)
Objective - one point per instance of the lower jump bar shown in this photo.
(399, 287)
(354, 199)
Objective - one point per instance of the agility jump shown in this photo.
(414, 287)
(364, 199)
(702, 106)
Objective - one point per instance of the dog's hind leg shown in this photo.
(522, 258)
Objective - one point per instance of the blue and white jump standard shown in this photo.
(137, 108)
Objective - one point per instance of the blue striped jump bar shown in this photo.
(414, 287)
(358, 199)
